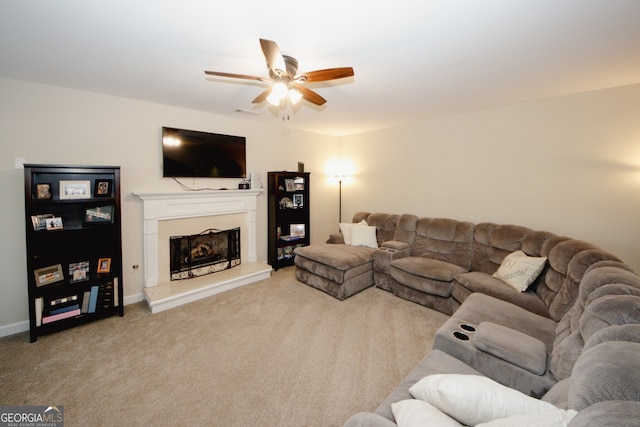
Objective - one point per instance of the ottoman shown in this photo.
(337, 269)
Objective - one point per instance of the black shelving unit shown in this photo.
(288, 216)
(74, 245)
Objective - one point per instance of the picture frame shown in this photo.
(48, 275)
(40, 221)
(75, 190)
(53, 223)
(104, 265)
(99, 215)
(103, 188)
(298, 200)
(297, 230)
(43, 191)
(79, 271)
(289, 185)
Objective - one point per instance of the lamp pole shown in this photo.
(340, 199)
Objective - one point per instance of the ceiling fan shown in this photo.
(284, 78)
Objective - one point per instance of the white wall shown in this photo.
(568, 165)
(53, 125)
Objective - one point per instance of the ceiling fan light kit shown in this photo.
(286, 83)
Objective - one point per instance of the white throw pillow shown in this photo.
(364, 236)
(520, 270)
(474, 399)
(345, 229)
(418, 413)
(555, 418)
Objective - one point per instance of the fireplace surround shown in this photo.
(159, 207)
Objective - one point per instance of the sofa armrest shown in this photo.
(512, 346)
(336, 238)
(389, 251)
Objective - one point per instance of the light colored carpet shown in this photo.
(274, 353)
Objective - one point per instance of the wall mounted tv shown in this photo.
(194, 154)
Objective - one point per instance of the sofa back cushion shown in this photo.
(568, 261)
(493, 242)
(598, 283)
(406, 229)
(445, 240)
(385, 224)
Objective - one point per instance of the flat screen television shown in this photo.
(194, 154)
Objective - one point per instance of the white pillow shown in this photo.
(474, 399)
(364, 236)
(520, 270)
(345, 229)
(418, 413)
(555, 418)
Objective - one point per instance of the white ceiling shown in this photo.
(412, 59)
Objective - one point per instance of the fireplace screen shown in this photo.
(205, 253)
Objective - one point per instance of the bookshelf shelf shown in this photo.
(74, 245)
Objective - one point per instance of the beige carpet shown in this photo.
(274, 353)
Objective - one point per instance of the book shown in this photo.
(60, 316)
(64, 309)
(85, 301)
(38, 308)
(93, 299)
(116, 296)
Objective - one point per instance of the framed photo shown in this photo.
(40, 221)
(49, 275)
(103, 188)
(289, 185)
(75, 190)
(54, 223)
(99, 214)
(298, 200)
(79, 271)
(43, 191)
(104, 265)
(297, 230)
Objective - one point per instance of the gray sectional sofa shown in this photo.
(572, 338)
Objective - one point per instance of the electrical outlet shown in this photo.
(19, 162)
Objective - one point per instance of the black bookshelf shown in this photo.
(288, 216)
(74, 245)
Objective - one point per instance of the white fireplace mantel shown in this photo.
(166, 206)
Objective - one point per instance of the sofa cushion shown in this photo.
(475, 281)
(425, 274)
(472, 399)
(444, 240)
(608, 371)
(519, 270)
(512, 346)
(609, 310)
(568, 262)
(610, 413)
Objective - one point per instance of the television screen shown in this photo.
(194, 154)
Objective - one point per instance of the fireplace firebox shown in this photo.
(204, 253)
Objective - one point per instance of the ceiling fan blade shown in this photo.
(309, 95)
(275, 61)
(262, 97)
(236, 76)
(328, 74)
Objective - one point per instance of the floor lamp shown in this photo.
(340, 178)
